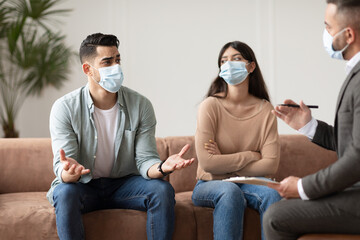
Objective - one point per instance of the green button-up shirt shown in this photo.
(72, 128)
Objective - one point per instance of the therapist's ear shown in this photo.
(350, 35)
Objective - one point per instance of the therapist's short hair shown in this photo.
(89, 45)
(349, 12)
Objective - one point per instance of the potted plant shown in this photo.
(33, 55)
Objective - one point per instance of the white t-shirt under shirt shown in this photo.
(106, 122)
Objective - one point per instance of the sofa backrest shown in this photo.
(185, 179)
(300, 157)
(26, 163)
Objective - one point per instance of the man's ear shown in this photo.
(86, 68)
(350, 35)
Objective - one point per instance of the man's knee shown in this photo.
(66, 192)
(269, 215)
(162, 190)
(274, 216)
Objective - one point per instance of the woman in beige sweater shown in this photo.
(236, 136)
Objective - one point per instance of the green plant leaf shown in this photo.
(52, 63)
(14, 31)
(33, 56)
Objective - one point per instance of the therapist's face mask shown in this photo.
(328, 45)
(111, 78)
(234, 72)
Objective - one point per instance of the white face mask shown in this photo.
(234, 72)
(328, 45)
(111, 78)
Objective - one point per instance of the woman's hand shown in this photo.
(212, 147)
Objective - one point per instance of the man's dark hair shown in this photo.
(88, 46)
(349, 12)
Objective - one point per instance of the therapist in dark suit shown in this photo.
(327, 201)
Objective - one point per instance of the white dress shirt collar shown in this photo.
(352, 62)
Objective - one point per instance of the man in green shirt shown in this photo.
(103, 141)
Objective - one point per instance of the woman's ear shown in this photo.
(252, 67)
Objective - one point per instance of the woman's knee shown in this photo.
(225, 193)
(272, 196)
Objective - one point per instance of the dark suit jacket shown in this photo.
(344, 138)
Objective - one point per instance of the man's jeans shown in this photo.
(230, 200)
(134, 192)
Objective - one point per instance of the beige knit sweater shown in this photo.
(249, 144)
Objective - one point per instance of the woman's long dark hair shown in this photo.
(257, 86)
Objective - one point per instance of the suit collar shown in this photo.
(354, 71)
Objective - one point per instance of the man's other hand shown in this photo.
(176, 162)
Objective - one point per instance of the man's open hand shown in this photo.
(72, 170)
(176, 162)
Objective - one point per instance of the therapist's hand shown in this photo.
(287, 187)
(294, 117)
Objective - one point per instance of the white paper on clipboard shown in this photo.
(251, 180)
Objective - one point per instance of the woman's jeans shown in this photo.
(134, 192)
(230, 200)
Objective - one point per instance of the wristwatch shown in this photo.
(160, 170)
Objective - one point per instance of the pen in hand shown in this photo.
(297, 106)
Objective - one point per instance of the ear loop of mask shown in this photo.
(91, 75)
(344, 48)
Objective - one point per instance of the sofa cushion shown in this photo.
(27, 216)
(185, 225)
(204, 219)
(329, 237)
(115, 224)
(30, 216)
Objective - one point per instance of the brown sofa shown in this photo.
(26, 173)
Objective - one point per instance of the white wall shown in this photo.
(169, 52)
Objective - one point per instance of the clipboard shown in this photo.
(251, 180)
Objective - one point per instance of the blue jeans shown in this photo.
(229, 201)
(155, 196)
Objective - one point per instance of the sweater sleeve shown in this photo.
(216, 164)
(270, 151)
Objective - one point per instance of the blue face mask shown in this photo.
(111, 78)
(234, 72)
(328, 45)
